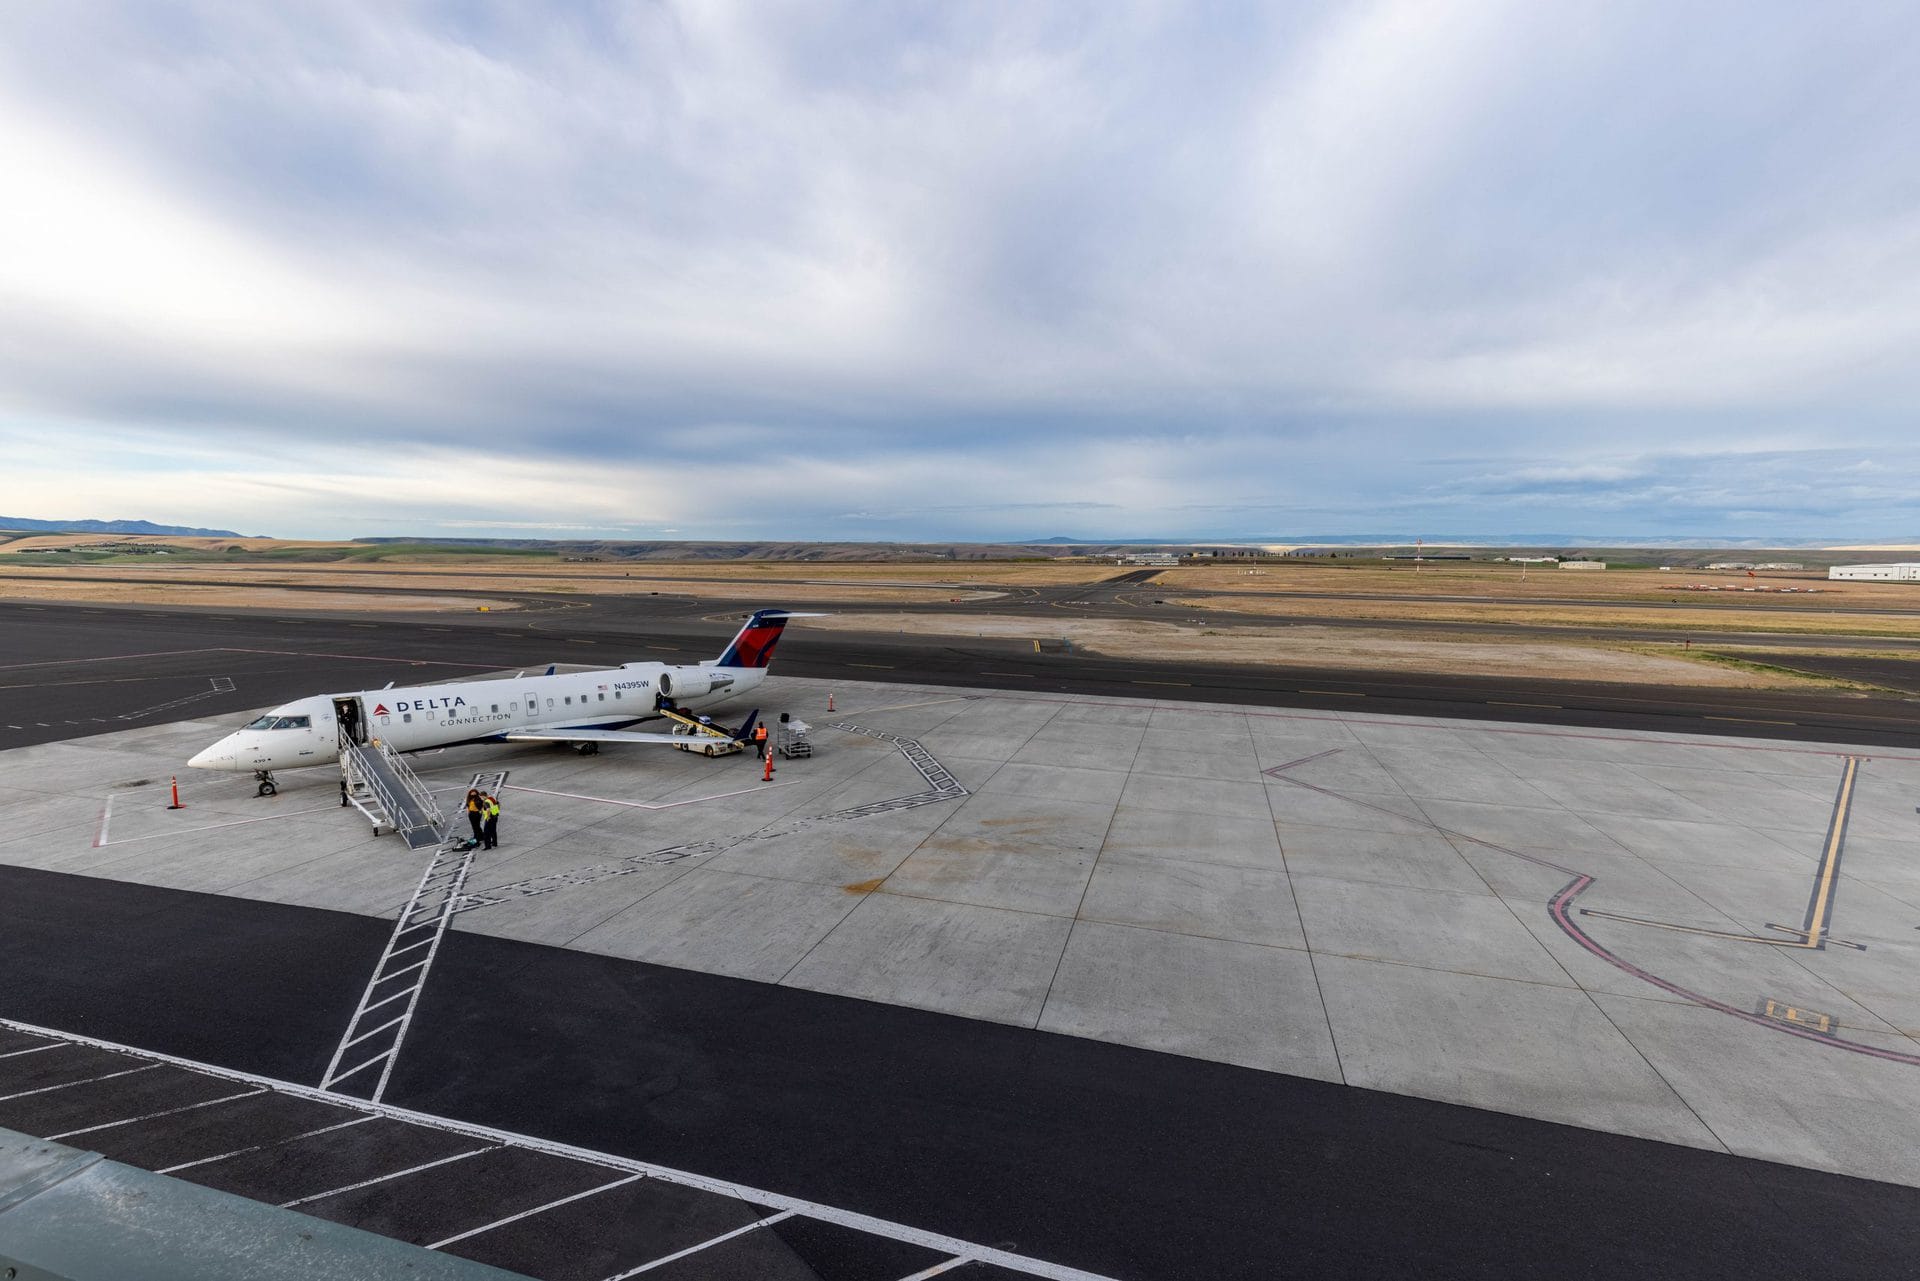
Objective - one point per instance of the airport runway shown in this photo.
(1134, 591)
(68, 670)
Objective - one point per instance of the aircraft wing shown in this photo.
(597, 736)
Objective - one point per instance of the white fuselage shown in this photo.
(309, 730)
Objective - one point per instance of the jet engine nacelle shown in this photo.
(683, 683)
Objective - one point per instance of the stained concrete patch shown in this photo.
(1008, 851)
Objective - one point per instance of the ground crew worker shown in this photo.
(760, 740)
(490, 821)
(474, 815)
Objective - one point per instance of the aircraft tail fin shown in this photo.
(753, 645)
(745, 734)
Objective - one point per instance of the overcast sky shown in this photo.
(963, 270)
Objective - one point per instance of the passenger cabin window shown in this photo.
(569, 700)
(603, 698)
(495, 707)
(406, 718)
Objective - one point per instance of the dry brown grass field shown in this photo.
(1359, 649)
(1395, 640)
(1701, 619)
(236, 597)
(1539, 582)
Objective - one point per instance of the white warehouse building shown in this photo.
(1905, 571)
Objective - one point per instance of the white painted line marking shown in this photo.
(377, 1031)
(644, 805)
(695, 1249)
(150, 1116)
(337, 1077)
(934, 1271)
(210, 827)
(32, 1049)
(385, 1000)
(304, 1134)
(409, 947)
(113, 658)
(538, 1209)
(667, 1174)
(68, 1085)
(410, 969)
(441, 915)
(397, 1174)
(901, 707)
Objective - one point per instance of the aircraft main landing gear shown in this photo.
(267, 786)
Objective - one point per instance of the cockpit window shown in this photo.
(279, 722)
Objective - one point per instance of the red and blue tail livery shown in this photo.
(753, 646)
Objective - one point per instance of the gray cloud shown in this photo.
(926, 270)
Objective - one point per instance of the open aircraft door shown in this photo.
(351, 717)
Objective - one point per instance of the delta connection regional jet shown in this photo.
(581, 708)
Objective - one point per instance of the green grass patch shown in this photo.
(1792, 675)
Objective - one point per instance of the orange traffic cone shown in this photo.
(768, 776)
(175, 778)
(829, 700)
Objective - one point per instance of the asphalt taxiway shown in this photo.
(69, 670)
(1183, 985)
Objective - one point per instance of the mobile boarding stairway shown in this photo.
(375, 781)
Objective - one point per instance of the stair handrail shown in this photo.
(416, 789)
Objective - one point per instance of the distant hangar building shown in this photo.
(1904, 571)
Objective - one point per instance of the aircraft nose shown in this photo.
(213, 757)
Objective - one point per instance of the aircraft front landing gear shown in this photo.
(267, 785)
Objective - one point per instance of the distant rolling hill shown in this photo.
(20, 524)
